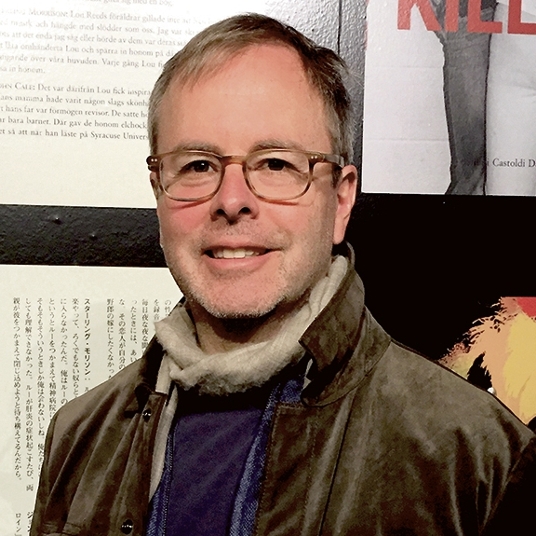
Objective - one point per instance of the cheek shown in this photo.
(312, 224)
(314, 232)
(164, 224)
(322, 217)
(176, 223)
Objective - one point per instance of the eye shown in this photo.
(197, 166)
(276, 164)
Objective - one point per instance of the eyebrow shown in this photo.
(271, 143)
(276, 144)
(196, 146)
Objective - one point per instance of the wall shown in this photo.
(82, 273)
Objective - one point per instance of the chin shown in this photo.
(277, 304)
(239, 304)
(238, 311)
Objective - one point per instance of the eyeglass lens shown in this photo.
(274, 174)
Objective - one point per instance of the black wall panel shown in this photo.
(431, 264)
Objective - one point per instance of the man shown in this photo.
(271, 402)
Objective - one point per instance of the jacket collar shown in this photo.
(344, 342)
(145, 382)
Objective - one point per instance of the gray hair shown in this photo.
(325, 70)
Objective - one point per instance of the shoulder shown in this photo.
(119, 394)
(456, 443)
(445, 407)
(112, 395)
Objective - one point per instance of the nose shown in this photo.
(234, 200)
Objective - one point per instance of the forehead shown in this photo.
(262, 90)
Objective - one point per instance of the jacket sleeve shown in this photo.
(514, 510)
(43, 491)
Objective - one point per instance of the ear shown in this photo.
(155, 185)
(346, 194)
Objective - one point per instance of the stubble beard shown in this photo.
(198, 296)
(281, 304)
(284, 296)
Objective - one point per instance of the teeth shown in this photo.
(239, 253)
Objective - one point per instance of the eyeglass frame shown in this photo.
(154, 162)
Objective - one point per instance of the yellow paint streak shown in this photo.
(508, 341)
(520, 366)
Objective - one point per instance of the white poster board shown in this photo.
(75, 77)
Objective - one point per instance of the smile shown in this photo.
(238, 253)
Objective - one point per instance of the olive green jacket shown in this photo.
(384, 442)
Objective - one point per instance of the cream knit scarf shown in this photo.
(250, 365)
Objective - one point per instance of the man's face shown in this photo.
(236, 255)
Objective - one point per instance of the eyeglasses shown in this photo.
(271, 174)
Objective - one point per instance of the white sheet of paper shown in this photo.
(64, 330)
(405, 139)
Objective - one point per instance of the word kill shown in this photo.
(474, 22)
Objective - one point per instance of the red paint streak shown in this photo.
(528, 304)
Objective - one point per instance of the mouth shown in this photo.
(235, 253)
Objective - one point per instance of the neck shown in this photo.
(217, 335)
